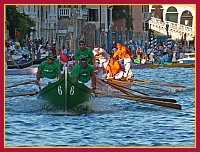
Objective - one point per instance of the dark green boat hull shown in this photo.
(75, 94)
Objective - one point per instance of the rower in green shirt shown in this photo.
(84, 51)
(84, 73)
(49, 71)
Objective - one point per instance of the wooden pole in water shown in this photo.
(23, 83)
(22, 94)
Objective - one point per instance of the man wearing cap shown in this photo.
(84, 51)
(84, 73)
(49, 71)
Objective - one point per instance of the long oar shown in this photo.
(20, 84)
(149, 87)
(145, 97)
(170, 105)
(129, 83)
(129, 97)
(123, 91)
(23, 94)
(129, 89)
(159, 83)
(114, 84)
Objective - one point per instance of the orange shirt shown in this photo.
(122, 53)
(114, 68)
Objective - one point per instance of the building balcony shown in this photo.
(64, 12)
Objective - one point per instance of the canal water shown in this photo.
(108, 121)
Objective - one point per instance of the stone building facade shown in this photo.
(65, 25)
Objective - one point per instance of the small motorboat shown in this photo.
(189, 58)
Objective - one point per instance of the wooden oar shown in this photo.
(149, 87)
(159, 83)
(148, 98)
(24, 94)
(116, 85)
(164, 104)
(20, 84)
(123, 91)
(121, 88)
(128, 88)
(139, 86)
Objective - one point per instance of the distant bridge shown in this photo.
(175, 30)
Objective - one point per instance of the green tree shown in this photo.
(18, 22)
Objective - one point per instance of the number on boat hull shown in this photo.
(72, 91)
(60, 92)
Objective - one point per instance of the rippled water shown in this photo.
(110, 121)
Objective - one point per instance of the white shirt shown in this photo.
(103, 55)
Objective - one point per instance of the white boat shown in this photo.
(189, 58)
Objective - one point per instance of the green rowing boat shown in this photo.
(65, 95)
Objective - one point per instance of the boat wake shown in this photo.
(172, 91)
(27, 104)
(179, 90)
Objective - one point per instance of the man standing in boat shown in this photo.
(125, 55)
(84, 73)
(84, 51)
(48, 71)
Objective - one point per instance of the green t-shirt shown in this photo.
(82, 74)
(87, 53)
(50, 71)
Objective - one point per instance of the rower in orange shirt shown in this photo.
(114, 69)
(126, 55)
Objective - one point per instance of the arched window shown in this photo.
(172, 14)
(172, 9)
(186, 18)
